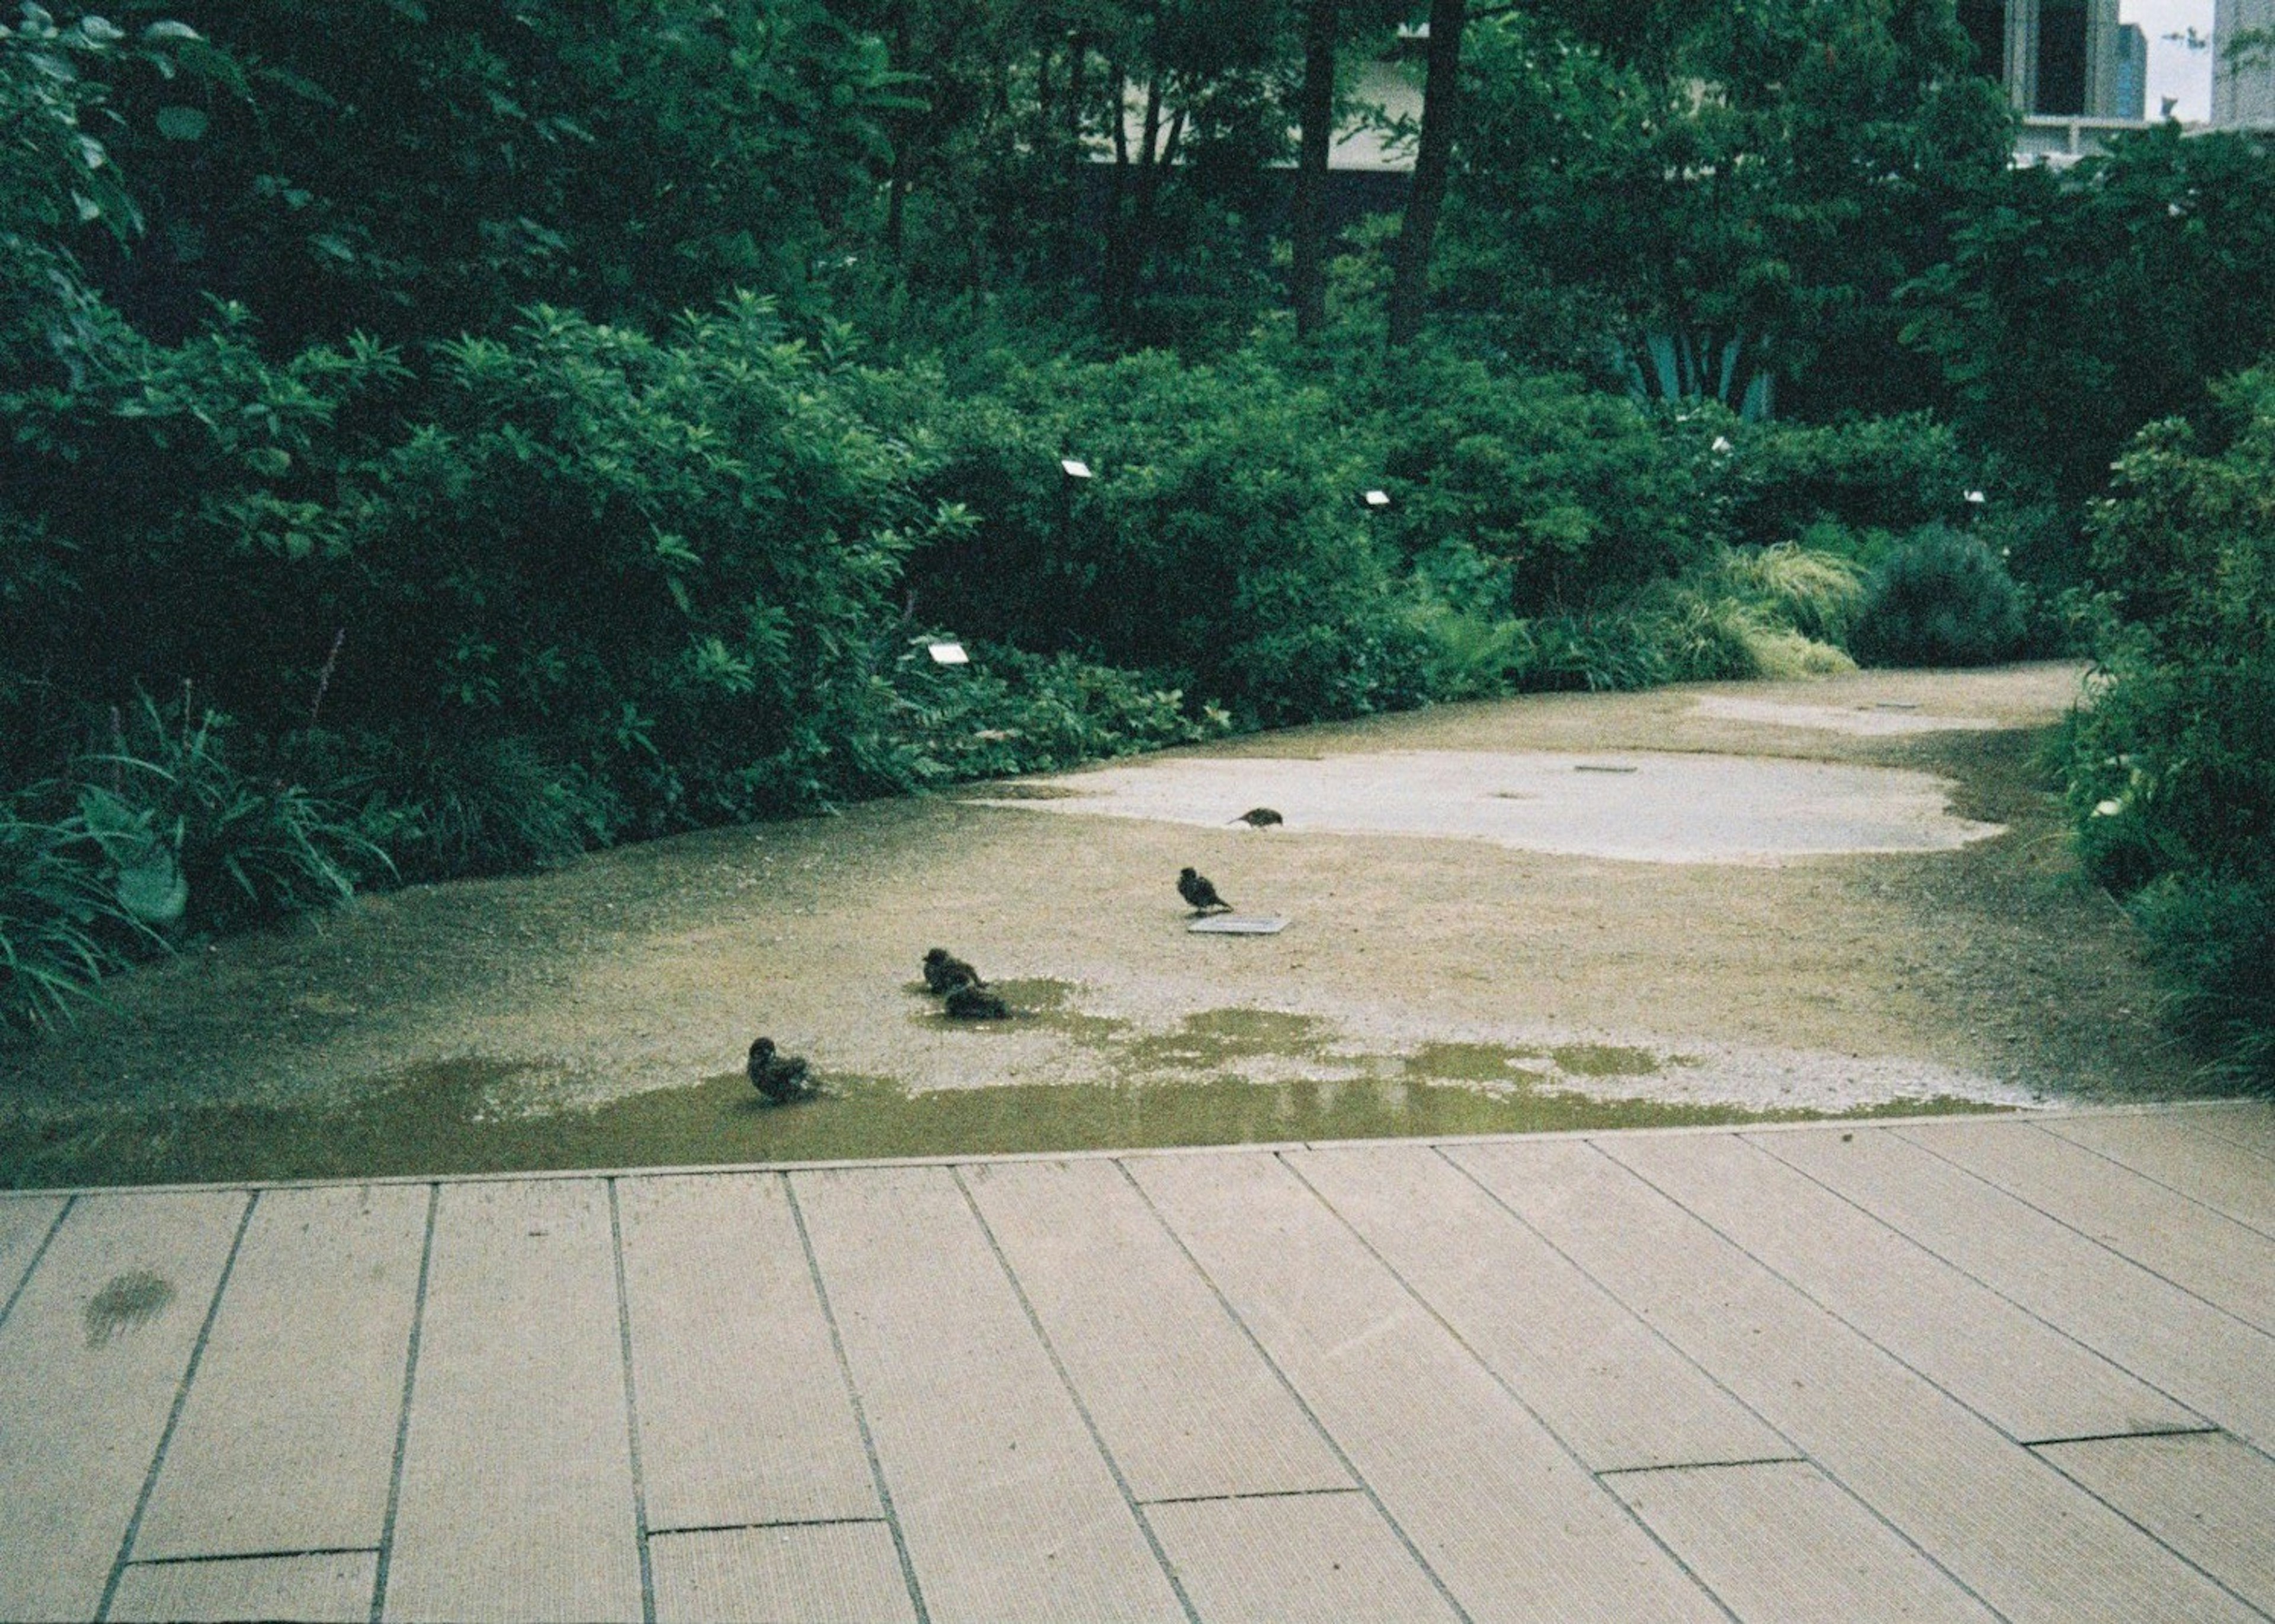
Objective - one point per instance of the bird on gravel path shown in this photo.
(1259, 818)
(780, 1077)
(1196, 889)
(944, 972)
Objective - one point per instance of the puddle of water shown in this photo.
(127, 1302)
(475, 1116)
(1651, 807)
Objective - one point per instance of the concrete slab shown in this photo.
(2208, 1360)
(1644, 806)
(1617, 1394)
(91, 1363)
(333, 1587)
(25, 1221)
(2015, 1533)
(1008, 1507)
(744, 1414)
(2173, 1151)
(1512, 1525)
(287, 1441)
(1780, 1542)
(1296, 1558)
(516, 1498)
(1186, 1404)
(2026, 1378)
(835, 1572)
(2222, 1261)
(2206, 1495)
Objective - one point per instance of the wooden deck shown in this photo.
(1961, 1368)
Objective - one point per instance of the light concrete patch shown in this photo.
(1637, 805)
(1871, 719)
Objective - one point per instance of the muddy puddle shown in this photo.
(1218, 1076)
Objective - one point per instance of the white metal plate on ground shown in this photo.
(2030, 1382)
(1515, 1528)
(1240, 925)
(517, 1499)
(835, 1572)
(745, 1417)
(2212, 1361)
(90, 1363)
(1296, 1558)
(334, 1588)
(1187, 1406)
(1600, 1378)
(2031, 1544)
(287, 1441)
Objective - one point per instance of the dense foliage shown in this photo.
(441, 437)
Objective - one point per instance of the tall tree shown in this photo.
(1308, 275)
(1410, 284)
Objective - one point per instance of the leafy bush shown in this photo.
(2171, 770)
(1889, 473)
(62, 926)
(1939, 597)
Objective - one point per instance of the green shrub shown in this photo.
(2212, 938)
(1940, 599)
(1776, 480)
(62, 926)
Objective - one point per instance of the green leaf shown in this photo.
(154, 889)
(181, 124)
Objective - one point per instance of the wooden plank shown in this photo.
(25, 1221)
(91, 1362)
(836, 1573)
(1296, 1558)
(1185, 1403)
(1512, 1525)
(516, 1494)
(2208, 1496)
(1602, 1380)
(1781, 1544)
(2202, 1166)
(744, 1417)
(2193, 1246)
(333, 1587)
(2212, 1362)
(2247, 1122)
(1008, 1507)
(2030, 1381)
(287, 1439)
(2014, 1532)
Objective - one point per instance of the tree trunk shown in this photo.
(1122, 302)
(1316, 115)
(1410, 282)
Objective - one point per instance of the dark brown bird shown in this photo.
(968, 1002)
(1259, 818)
(944, 972)
(1196, 889)
(780, 1077)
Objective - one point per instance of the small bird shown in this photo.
(1259, 818)
(780, 1077)
(1196, 889)
(944, 972)
(968, 1002)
